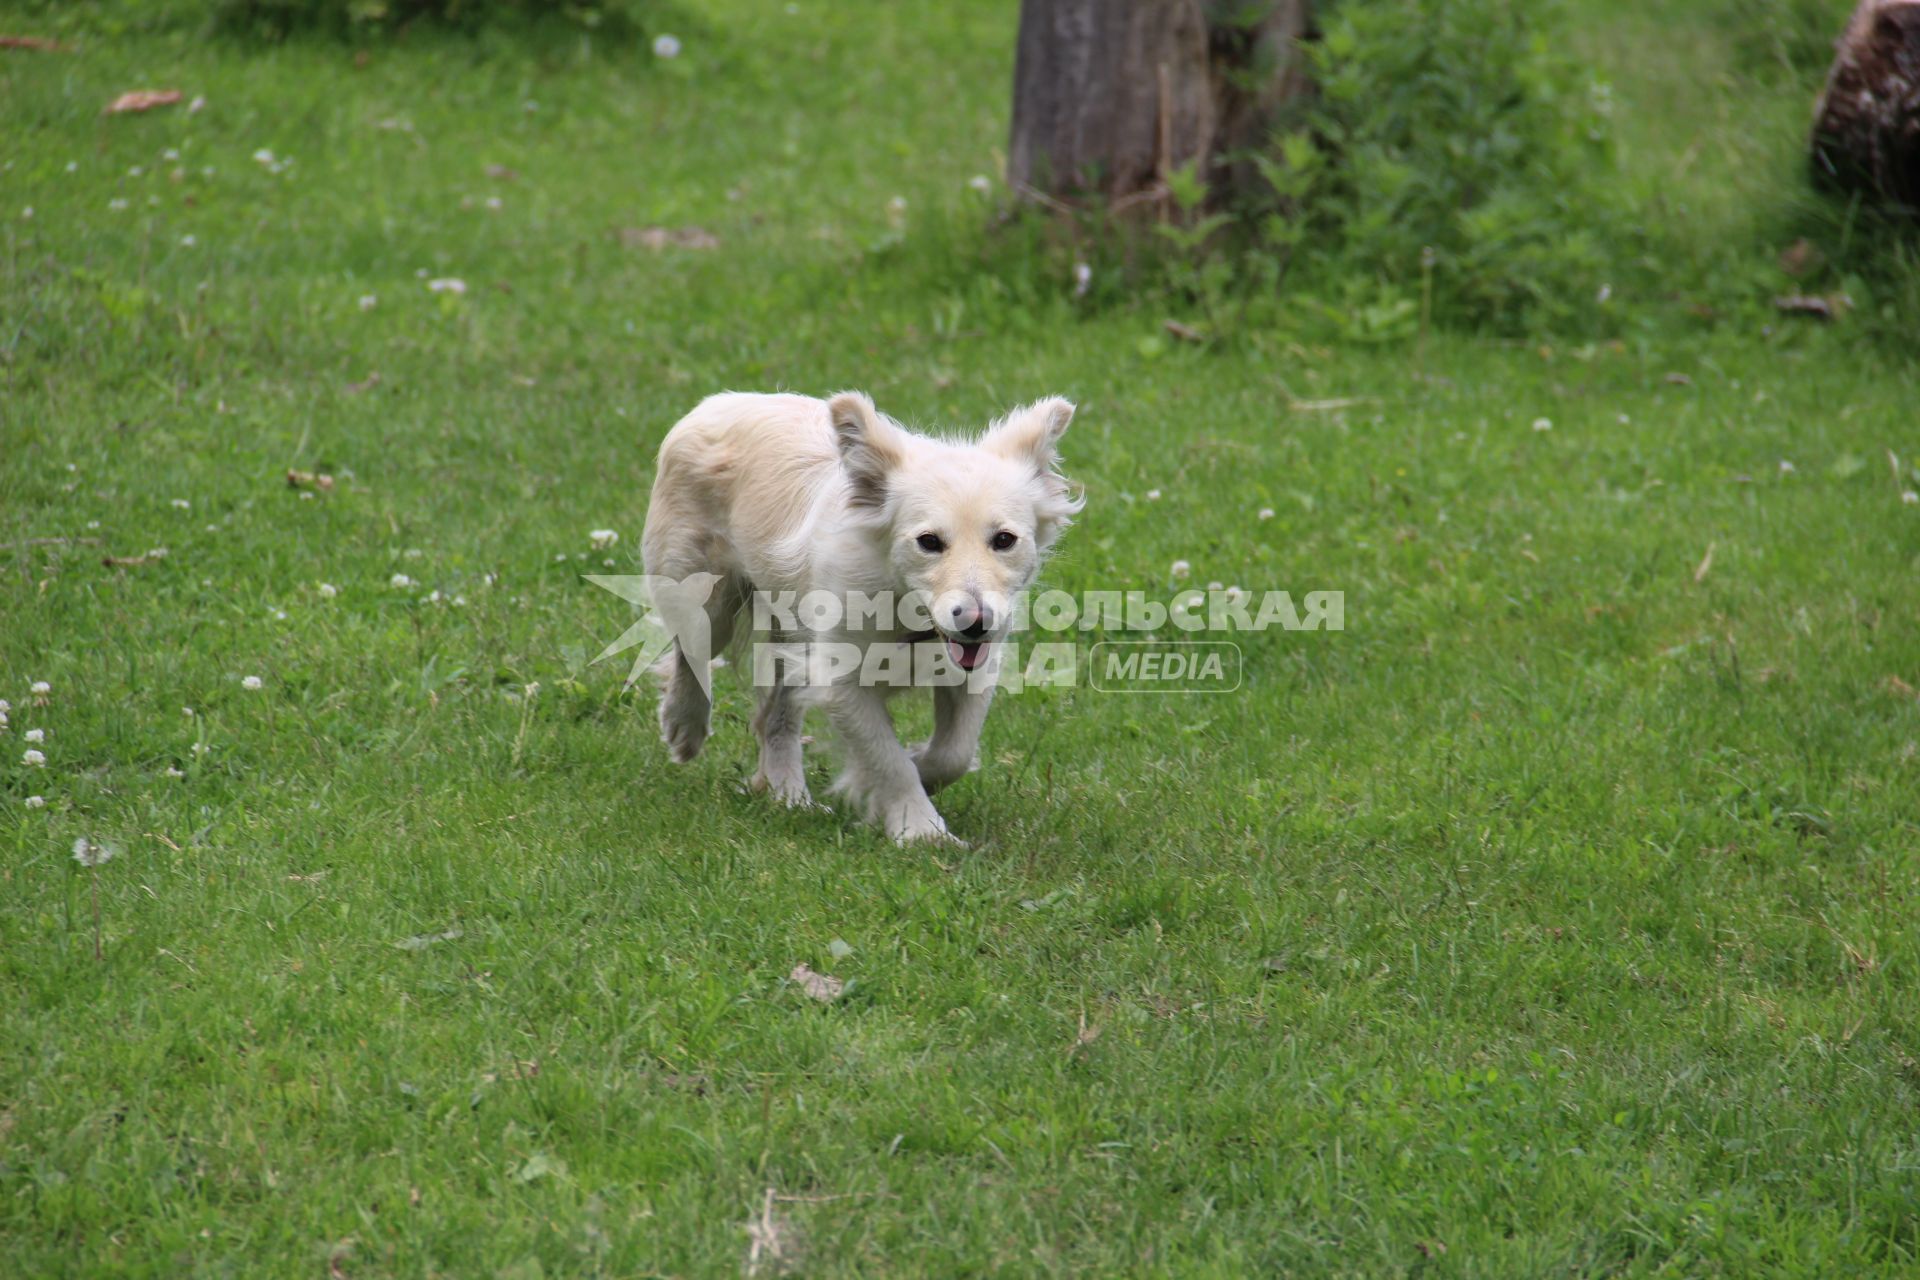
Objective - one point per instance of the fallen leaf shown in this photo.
(1678, 380)
(40, 43)
(1806, 304)
(1896, 685)
(311, 479)
(1706, 564)
(371, 381)
(820, 986)
(142, 100)
(1184, 332)
(658, 238)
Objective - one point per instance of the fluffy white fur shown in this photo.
(789, 493)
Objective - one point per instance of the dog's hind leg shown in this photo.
(776, 722)
(686, 710)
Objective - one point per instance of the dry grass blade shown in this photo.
(1705, 566)
(658, 238)
(38, 44)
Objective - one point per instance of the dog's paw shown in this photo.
(684, 738)
(914, 827)
(791, 792)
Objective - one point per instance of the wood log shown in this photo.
(1110, 96)
(1866, 131)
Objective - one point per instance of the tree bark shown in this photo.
(1110, 96)
(1866, 131)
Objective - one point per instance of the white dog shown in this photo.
(785, 493)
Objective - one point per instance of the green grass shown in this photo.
(1556, 917)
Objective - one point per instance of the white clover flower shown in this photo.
(1153, 495)
(5, 706)
(36, 802)
(171, 153)
(459, 602)
(982, 183)
(328, 591)
(413, 553)
(1237, 594)
(400, 582)
(198, 105)
(665, 46)
(1910, 497)
(187, 712)
(27, 213)
(263, 156)
(187, 242)
(116, 204)
(602, 539)
(560, 558)
(157, 553)
(491, 579)
(250, 682)
(88, 853)
(495, 203)
(1181, 568)
(36, 735)
(447, 284)
(1265, 513)
(33, 759)
(73, 166)
(279, 615)
(1786, 468)
(201, 748)
(1543, 424)
(1216, 585)
(1082, 279)
(172, 772)
(368, 301)
(39, 689)
(181, 504)
(432, 597)
(135, 171)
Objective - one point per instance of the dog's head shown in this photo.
(965, 524)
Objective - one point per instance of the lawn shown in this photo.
(1554, 917)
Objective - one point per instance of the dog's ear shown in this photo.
(870, 446)
(1032, 433)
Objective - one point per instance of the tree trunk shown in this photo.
(1866, 131)
(1110, 96)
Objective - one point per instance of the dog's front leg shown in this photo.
(958, 715)
(880, 775)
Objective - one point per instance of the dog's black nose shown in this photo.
(971, 621)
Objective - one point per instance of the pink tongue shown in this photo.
(965, 656)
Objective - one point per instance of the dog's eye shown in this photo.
(1003, 540)
(931, 544)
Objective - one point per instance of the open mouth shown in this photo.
(966, 656)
